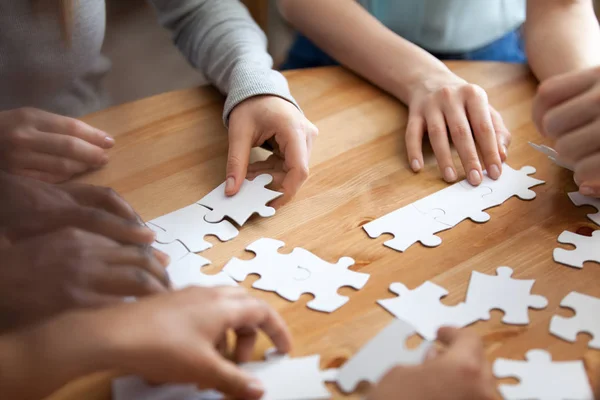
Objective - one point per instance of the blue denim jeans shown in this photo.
(509, 48)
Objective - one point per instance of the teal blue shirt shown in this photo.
(449, 26)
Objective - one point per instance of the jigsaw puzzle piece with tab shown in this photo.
(587, 310)
(383, 352)
(251, 198)
(541, 378)
(580, 200)
(321, 279)
(587, 249)
(511, 183)
(189, 227)
(408, 225)
(501, 291)
(187, 271)
(422, 308)
(552, 155)
(458, 202)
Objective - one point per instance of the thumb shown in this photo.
(240, 144)
(229, 379)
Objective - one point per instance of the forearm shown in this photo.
(561, 36)
(39, 360)
(356, 39)
(220, 38)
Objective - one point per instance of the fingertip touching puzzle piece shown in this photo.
(251, 198)
(587, 248)
(585, 320)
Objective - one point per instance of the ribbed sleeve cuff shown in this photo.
(249, 81)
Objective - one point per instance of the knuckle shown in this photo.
(25, 114)
(313, 130)
(447, 93)
(234, 162)
(72, 234)
(545, 89)
(19, 138)
(474, 91)
(63, 166)
(470, 368)
(303, 172)
(69, 145)
(461, 133)
(436, 131)
(73, 126)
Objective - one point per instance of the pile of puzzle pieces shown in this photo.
(418, 311)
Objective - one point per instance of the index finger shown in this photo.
(103, 198)
(54, 123)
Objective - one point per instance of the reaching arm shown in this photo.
(220, 38)
(360, 42)
(561, 36)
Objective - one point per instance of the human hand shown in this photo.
(269, 118)
(173, 338)
(447, 104)
(70, 268)
(49, 147)
(566, 109)
(29, 207)
(459, 372)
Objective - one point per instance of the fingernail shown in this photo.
(415, 165)
(449, 174)
(474, 177)
(109, 141)
(255, 390)
(586, 191)
(494, 171)
(229, 183)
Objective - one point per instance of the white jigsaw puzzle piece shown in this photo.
(513, 296)
(135, 388)
(580, 200)
(251, 198)
(587, 310)
(587, 249)
(457, 202)
(291, 275)
(408, 225)
(511, 183)
(322, 280)
(552, 155)
(188, 272)
(188, 226)
(542, 379)
(421, 308)
(383, 352)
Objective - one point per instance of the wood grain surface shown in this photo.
(171, 150)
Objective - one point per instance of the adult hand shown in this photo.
(175, 337)
(49, 147)
(458, 372)
(29, 207)
(70, 268)
(447, 106)
(566, 109)
(269, 118)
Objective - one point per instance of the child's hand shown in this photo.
(269, 118)
(567, 108)
(175, 338)
(49, 147)
(458, 372)
(70, 268)
(448, 107)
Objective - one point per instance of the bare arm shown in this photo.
(362, 43)
(561, 36)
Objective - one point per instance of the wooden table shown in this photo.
(171, 150)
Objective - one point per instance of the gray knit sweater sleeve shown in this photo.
(220, 38)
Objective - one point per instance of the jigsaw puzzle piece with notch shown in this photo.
(323, 280)
(286, 378)
(580, 200)
(587, 249)
(273, 267)
(587, 310)
(251, 198)
(511, 183)
(552, 155)
(457, 202)
(408, 225)
(422, 308)
(188, 272)
(502, 292)
(541, 378)
(189, 227)
(383, 352)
